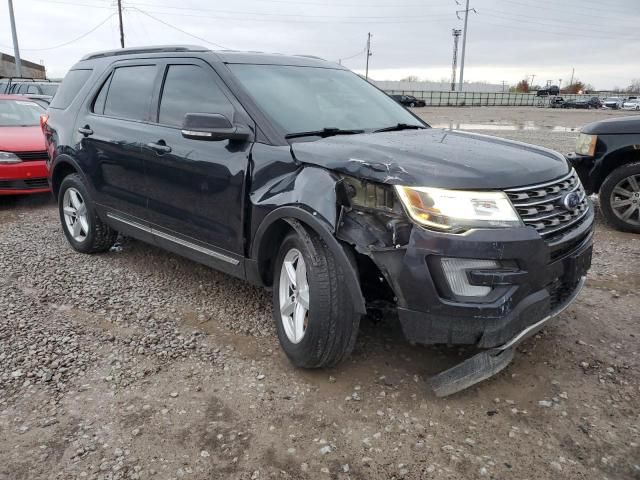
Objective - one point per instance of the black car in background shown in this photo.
(409, 100)
(297, 175)
(607, 158)
(583, 103)
(545, 92)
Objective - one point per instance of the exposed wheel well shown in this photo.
(615, 161)
(61, 171)
(268, 250)
(372, 282)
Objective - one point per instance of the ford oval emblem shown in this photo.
(571, 200)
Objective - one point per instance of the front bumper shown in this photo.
(541, 277)
(24, 178)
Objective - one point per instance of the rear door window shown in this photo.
(130, 91)
(191, 89)
(70, 87)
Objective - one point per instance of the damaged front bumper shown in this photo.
(532, 279)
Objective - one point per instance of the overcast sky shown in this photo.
(507, 39)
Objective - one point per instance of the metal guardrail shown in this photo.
(487, 99)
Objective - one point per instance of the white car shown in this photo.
(613, 102)
(633, 104)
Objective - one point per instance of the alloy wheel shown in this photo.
(75, 215)
(625, 200)
(294, 296)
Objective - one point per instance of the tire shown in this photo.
(412, 105)
(330, 325)
(93, 235)
(619, 179)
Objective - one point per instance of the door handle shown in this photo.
(159, 147)
(86, 130)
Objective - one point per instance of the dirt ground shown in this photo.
(140, 364)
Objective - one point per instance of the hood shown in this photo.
(435, 157)
(21, 139)
(620, 125)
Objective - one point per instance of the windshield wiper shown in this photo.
(398, 127)
(325, 132)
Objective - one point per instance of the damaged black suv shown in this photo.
(296, 174)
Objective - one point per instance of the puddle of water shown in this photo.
(504, 127)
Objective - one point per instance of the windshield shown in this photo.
(304, 99)
(19, 113)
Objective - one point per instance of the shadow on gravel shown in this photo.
(9, 202)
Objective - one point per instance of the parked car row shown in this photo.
(616, 103)
(40, 91)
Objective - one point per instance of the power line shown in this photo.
(75, 39)
(179, 29)
(511, 17)
(286, 15)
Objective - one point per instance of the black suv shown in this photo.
(296, 174)
(607, 158)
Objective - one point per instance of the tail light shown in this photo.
(44, 118)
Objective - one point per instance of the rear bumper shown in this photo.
(539, 279)
(24, 178)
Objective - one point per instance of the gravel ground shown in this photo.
(139, 364)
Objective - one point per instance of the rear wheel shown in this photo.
(620, 198)
(84, 230)
(315, 319)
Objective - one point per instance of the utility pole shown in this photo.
(456, 35)
(121, 27)
(464, 40)
(533, 76)
(559, 84)
(14, 34)
(366, 76)
(504, 82)
(572, 72)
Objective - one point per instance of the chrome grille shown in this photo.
(541, 206)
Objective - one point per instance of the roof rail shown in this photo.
(138, 50)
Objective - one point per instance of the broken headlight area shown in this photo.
(371, 216)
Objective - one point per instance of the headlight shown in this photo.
(458, 210)
(586, 144)
(8, 157)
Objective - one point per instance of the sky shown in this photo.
(507, 40)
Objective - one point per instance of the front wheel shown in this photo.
(315, 319)
(84, 230)
(620, 198)
(412, 104)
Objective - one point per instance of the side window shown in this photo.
(32, 89)
(191, 89)
(98, 104)
(129, 94)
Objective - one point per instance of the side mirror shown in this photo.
(213, 127)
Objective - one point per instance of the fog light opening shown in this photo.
(455, 271)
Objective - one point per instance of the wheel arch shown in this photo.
(278, 223)
(616, 159)
(64, 166)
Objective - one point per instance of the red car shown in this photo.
(22, 150)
